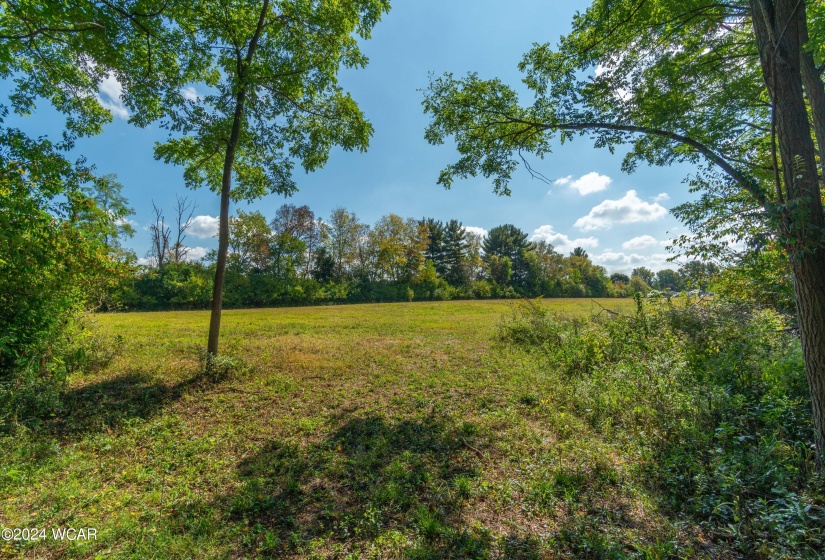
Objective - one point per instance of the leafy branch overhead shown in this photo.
(670, 88)
(293, 110)
(60, 52)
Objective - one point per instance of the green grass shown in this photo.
(363, 431)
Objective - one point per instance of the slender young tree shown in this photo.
(270, 97)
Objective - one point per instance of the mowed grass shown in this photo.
(363, 431)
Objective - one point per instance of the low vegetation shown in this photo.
(474, 429)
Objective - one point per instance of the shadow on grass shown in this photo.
(109, 403)
(398, 488)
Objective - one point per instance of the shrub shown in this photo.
(54, 261)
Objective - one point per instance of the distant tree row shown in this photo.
(300, 258)
(694, 275)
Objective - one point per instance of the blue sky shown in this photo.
(620, 219)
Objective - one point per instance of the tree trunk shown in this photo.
(223, 228)
(226, 186)
(779, 27)
(816, 97)
(809, 288)
(812, 81)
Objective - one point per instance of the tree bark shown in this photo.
(226, 187)
(779, 26)
(814, 88)
(223, 227)
(809, 288)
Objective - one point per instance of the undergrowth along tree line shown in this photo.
(708, 399)
(298, 258)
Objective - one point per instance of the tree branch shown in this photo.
(745, 181)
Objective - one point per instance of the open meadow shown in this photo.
(377, 430)
(408, 430)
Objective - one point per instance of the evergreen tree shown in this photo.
(455, 253)
(435, 244)
(509, 241)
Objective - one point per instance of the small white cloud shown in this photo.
(614, 257)
(204, 226)
(590, 183)
(196, 253)
(627, 210)
(481, 232)
(124, 221)
(563, 181)
(639, 243)
(561, 242)
(145, 261)
(619, 93)
(615, 261)
(189, 93)
(109, 96)
(661, 197)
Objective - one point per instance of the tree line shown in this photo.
(298, 257)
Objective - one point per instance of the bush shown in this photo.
(53, 262)
(32, 390)
(711, 397)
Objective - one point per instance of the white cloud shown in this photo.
(204, 226)
(620, 93)
(590, 183)
(617, 258)
(109, 96)
(661, 197)
(627, 210)
(561, 242)
(641, 242)
(189, 93)
(615, 261)
(481, 232)
(124, 221)
(145, 261)
(196, 253)
(563, 181)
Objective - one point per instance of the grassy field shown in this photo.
(364, 431)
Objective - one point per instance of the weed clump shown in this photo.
(221, 368)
